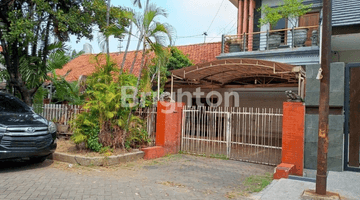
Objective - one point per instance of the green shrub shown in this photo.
(104, 121)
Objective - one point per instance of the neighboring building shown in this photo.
(259, 43)
(85, 64)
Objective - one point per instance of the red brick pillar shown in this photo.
(168, 130)
(168, 126)
(292, 140)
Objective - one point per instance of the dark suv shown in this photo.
(23, 133)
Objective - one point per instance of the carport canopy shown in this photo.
(230, 70)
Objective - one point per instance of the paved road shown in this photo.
(175, 177)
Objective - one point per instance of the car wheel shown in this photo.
(39, 159)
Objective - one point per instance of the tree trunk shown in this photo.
(158, 92)
(142, 35)
(26, 98)
(126, 50)
(107, 24)
(137, 51)
(132, 67)
(137, 86)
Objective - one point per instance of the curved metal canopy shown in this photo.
(229, 70)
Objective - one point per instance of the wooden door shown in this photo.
(310, 19)
(354, 125)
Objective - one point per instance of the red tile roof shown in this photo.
(85, 64)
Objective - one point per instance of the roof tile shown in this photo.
(85, 64)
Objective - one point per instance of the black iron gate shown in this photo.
(352, 117)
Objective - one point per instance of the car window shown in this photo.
(12, 104)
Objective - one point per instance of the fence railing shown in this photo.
(62, 114)
(149, 115)
(246, 134)
(273, 39)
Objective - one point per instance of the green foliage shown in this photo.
(32, 30)
(86, 129)
(289, 9)
(219, 156)
(40, 94)
(177, 60)
(256, 183)
(104, 123)
(170, 59)
(271, 16)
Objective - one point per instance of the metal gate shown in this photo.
(246, 134)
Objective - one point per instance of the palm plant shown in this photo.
(141, 35)
(155, 36)
(138, 4)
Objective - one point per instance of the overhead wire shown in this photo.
(231, 29)
(215, 15)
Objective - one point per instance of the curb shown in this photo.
(97, 161)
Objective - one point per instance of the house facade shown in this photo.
(245, 59)
(281, 43)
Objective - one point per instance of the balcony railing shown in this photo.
(270, 40)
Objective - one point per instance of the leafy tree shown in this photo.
(30, 30)
(288, 9)
(177, 60)
(173, 59)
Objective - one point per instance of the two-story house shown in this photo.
(257, 42)
(260, 63)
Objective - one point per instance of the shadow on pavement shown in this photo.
(19, 165)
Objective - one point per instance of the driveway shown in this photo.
(173, 177)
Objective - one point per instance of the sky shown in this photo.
(190, 19)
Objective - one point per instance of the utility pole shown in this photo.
(205, 34)
(120, 46)
(323, 138)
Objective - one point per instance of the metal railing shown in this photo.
(269, 40)
(246, 134)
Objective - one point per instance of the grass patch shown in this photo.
(169, 156)
(219, 156)
(256, 183)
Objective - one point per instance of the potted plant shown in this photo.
(291, 10)
(234, 44)
(271, 16)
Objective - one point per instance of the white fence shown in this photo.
(246, 134)
(60, 113)
(149, 114)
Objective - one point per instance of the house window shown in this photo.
(282, 24)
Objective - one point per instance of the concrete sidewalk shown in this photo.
(347, 184)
